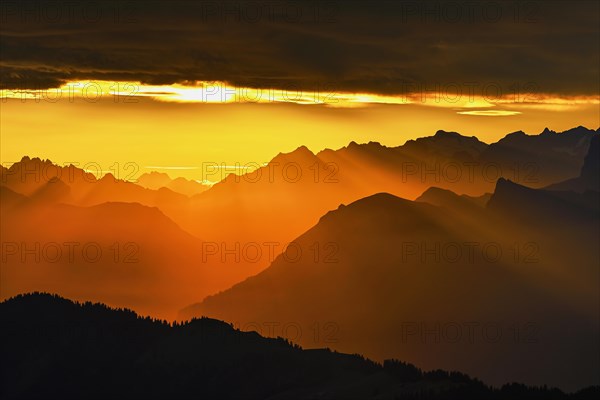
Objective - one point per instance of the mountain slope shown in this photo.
(60, 349)
(156, 180)
(589, 178)
(447, 198)
(540, 160)
(72, 185)
(124, 254)
(386, 275)
(287, 195)
(264, 210)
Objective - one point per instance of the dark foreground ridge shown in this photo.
(55, 348)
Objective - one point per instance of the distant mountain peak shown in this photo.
(109, 177)
(377, 201)
(436, 190)
(507, 191)
(353, 145)
(516, 134)
(503, 183)
(300, 151)
(156, 174)
(303, 149)
(447, 198)
(35, 160)
(579, 130)
(442, 133)
(380, 197)
(53, 190)
(547, 131)
(300, 155)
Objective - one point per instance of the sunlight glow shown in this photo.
(222, 92)
(490, 113)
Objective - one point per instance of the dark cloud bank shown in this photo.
(386, 47)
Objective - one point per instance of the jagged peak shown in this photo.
(441, 135)
(109, 177)
(156, 173)
(301, 151)
(27, 159)
(546, 133)
(371, 144)
(504, 183)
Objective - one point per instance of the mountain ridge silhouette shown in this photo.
(61, 348)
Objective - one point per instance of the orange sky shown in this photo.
(179, 130)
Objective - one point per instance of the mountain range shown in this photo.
(367, 249)
(271, 206)
(384, 271)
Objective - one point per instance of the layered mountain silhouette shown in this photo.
(544, 206)
(319, 182)
(124, 254)
(34, 177)
(445, 252)
(589, 178)
(418, 282)
(156, 180)
(445, 197)
(267, 208)
(540, 160)
(464, 204)
(55, 348)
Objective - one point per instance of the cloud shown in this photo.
(153, 167)
(490, 113)
(385, 48)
